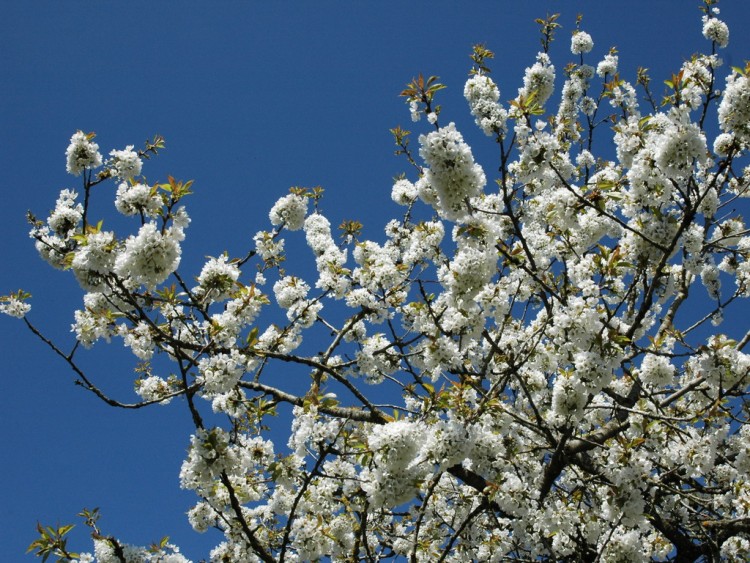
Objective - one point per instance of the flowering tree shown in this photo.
(542, 337)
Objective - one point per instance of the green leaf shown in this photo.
(252, 338)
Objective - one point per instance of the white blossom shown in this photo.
(546, 383)
(94, 260)
(403, 192)
(734, 109)
(539, 80)
(154, 388)
(483, 95)
(290, 211)
(82, 153)
(14, 307)
(149, 257)
(716, 30)
(133, 199)
(125, 164)
(452, 172)
(608, 65)
(581, 43)
(217, 278)
(68, 213)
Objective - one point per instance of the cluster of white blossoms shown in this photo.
(397, 471)
(404, 192)
(239, 313)
(452, 172)
(468, 272)
(92, 322)
(217, 280)
(139, 339)
(483, 95)
(82, 153)
(539, 80)
(291, 294)
(715, 30)
(608, 65)
(656, 370)
(289, 290)
(677, 143)
(329, 258)
(734, 109)
(14, 307)
(219, 467)
(107, 552)
(376, 359)
(135, 199)
(545, 383)
(125, 164)
(290, 211)
(151, 256)
(268, 246)
(64, 220)
(581, 43)
(221, 372)
(94, 260)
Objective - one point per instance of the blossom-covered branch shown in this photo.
(538, 331)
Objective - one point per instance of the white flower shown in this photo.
(656, 370)
(678, 147)
(329, 258)
(153, 388)
(148, 257)
(482, 94)
(710, 278)
(404, 192)
(14, 307)
(125, 164)
(734, 109)
(221, 372)
(723, 144)
(588, 105)
(539, 80)
(736, 548)
(138, 339)
(568, 398)
(452, 171)
(67, 214)
(318, 233)
(716, 30)
(202, 517)
(137, 198)
(217, 278)
(93, 321)
(376, 359)
(395, 446)
(94, 260)
(378, 270)
(267, 246)
(581, 42)
(82, 153)
(585, 159)
(608, 66)
(290, 211)
(289, 290)
(180, 222)
(414, 111)
(468, 272)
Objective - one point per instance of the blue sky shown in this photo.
(252, 98)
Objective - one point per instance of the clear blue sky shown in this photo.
(252, 97)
